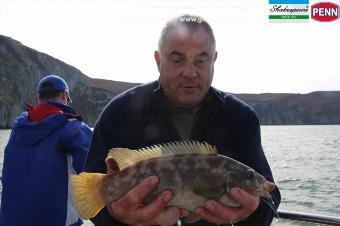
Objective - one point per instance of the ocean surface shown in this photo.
(305, 161)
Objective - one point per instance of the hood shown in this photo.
(29, 133)
(47, 108)
(40, 121)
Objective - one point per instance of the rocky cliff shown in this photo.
(316, 108)
(22, 67)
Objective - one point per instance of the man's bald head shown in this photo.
(186, 23)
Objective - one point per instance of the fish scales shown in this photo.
(192, 171)
(175, 173)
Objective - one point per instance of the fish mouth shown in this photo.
(266, 195)
(266, 187)
(269, 186)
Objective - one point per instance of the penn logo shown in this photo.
(325, 11)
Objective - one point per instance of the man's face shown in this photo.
(186, 66)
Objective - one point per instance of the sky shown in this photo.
(116, 40)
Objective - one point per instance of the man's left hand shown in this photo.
(217, 213)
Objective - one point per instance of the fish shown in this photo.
(191, 170)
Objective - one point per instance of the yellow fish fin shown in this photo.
(86, 189)
(126, 157)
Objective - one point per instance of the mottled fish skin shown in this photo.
(193, 171)
(191, 178)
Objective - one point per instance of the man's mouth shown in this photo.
(189, 86)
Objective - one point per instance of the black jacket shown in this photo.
(139, 117)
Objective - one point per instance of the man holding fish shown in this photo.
(181, 117)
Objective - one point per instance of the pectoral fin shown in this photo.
(111, 166)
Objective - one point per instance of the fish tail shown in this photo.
(86, 189)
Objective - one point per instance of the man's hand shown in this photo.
(129, 209)
(217, 213)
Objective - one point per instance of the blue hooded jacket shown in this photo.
(38, 159)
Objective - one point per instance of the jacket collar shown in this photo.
(212, 107)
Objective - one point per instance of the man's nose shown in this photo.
(190, 70)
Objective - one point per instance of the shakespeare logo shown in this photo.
(325, 12)
(288, 10)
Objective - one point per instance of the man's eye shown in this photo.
(201, 60)
(177, 61)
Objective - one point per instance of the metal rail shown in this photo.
(307, 217)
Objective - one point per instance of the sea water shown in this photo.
(305, 161)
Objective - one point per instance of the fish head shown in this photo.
(259, 186)
(250, 181)
(266, 187)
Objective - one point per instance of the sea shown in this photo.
(305, 161)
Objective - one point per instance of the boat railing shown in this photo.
(307, 217)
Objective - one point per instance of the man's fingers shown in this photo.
(183, 213)
(136, 195)
(247, 201)
(206, 215)
(153, 208)
(168, 216)
(127, 209)
(219, 214)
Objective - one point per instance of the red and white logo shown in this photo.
(325, 11)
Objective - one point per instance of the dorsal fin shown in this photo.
(126, 157)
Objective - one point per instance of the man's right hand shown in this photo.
(129, 209)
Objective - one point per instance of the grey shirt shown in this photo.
(184, 120)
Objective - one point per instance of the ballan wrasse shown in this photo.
(193, 171)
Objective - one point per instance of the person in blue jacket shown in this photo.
(182, 105)
(47, 144)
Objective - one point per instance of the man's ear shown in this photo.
(63, 97)
(215, 56)
(157, 56)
